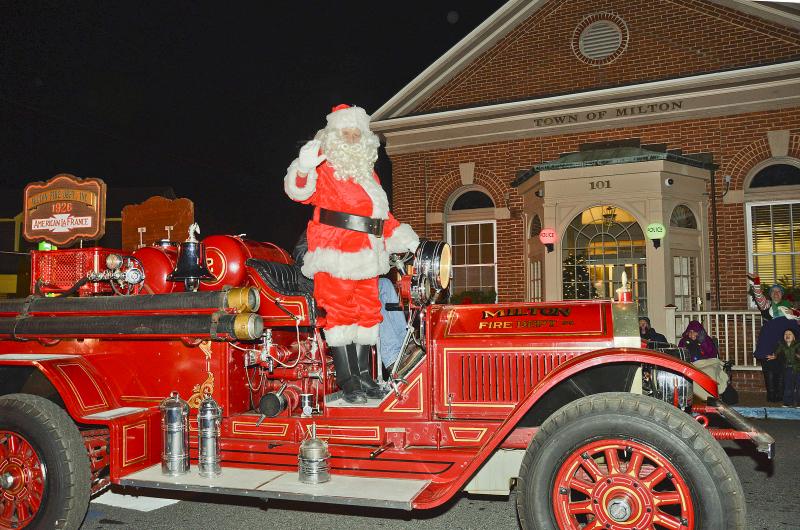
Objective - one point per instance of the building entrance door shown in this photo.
(599, 244)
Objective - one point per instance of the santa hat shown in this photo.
(347, 117)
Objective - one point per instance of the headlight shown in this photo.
(432, 266)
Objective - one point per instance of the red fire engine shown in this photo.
(150, 370)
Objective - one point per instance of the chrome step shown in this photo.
(341, 489)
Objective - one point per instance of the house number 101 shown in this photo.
(600, 185)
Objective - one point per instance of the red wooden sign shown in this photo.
(64, 209)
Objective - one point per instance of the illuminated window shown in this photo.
(774, 241)
(599, 244)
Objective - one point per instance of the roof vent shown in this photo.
(600, 38)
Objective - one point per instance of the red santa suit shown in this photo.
(345, 264)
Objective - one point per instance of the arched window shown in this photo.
(471, 232)
(682, 217)
(599, 244)
(536, 226)
(776, 175)
(472, 200)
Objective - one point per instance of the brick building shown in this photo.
(596, 119)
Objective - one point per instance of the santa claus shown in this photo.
(350, 237)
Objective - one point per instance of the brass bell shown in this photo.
(191, 265)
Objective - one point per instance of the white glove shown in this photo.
(309, 156)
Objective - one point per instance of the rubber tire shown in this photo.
(712, 480)
(56, 439)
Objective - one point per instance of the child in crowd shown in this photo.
(789, 351)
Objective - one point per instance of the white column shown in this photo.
(552, 260)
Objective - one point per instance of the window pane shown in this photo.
(473, 233)
(459, 255)
(458, 232)
(487, 232)
(473, 254)
(487, 278)
(487, 253)
(473, 278)
(459, 279)
(783, 267)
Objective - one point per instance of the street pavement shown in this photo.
(772, 490)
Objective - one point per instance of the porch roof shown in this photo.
(620, 152)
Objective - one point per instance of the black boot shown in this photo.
(365, 372)
(347, 378)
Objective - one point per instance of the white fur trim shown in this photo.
(402, 239)
(341, 335)
(380, 202)
(349, 118)
(366, 263)
(367, 336)
(290, 183)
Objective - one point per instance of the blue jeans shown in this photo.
(791, 387)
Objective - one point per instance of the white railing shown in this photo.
(736, 331)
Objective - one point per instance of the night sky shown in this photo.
(212, 100)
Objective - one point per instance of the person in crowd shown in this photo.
(648, 333)
(697, 342)
(778, 316)
(774, 304)
(788, 352)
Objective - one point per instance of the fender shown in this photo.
(562, 373)
(78, 385)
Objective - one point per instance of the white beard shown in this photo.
(355, 161)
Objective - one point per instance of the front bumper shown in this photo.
(742, 429)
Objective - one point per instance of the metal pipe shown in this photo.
(714, 233)
(247, 326)
(242, 299)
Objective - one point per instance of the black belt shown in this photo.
(349, 221)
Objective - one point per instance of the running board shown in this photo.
(340, 489)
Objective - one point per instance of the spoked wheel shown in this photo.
(44, 468)
(615, 482)
(622, 461)
(22, 476)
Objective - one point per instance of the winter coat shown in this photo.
(790, 355)
(771, 335)
(654, 339)
(701, 348)
(347, 254)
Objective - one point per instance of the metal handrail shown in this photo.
(736, 333)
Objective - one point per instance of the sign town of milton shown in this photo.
(64, 209)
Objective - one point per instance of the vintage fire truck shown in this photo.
(110, 368)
